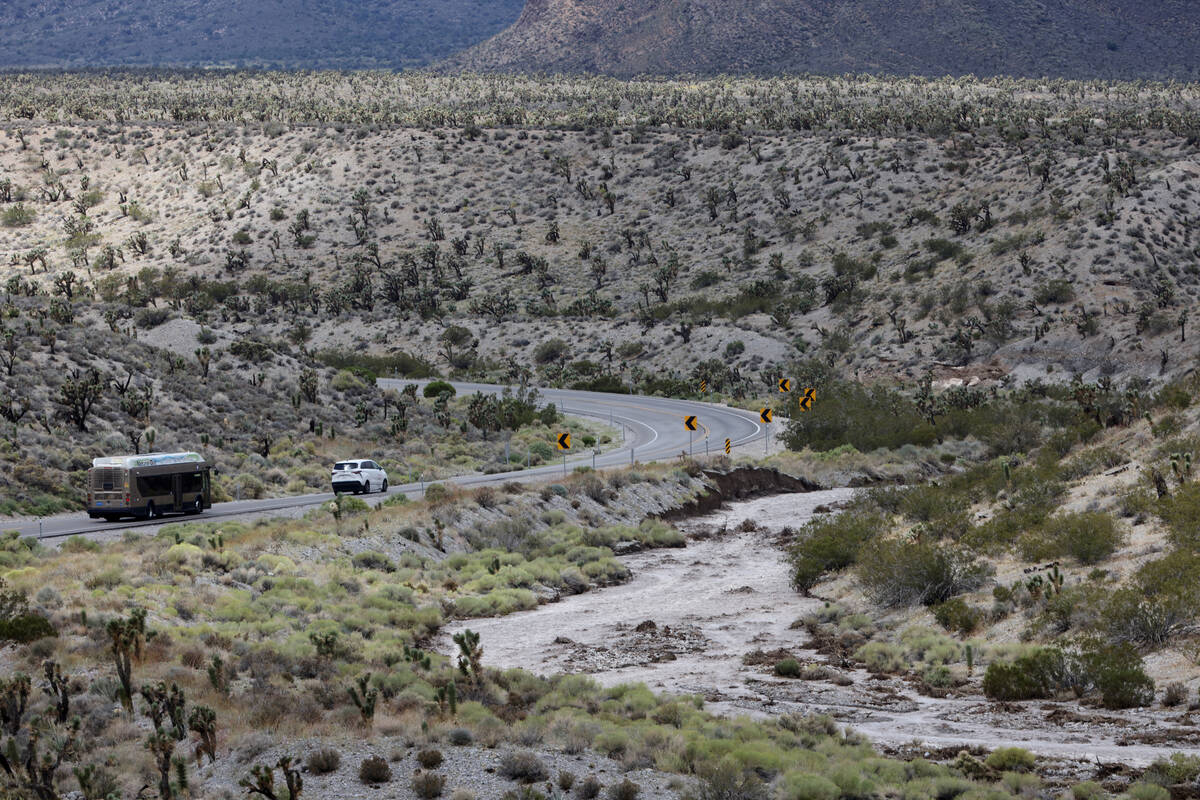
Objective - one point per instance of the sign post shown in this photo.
(564, 444)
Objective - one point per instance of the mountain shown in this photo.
(275, 33)
(1115, 39)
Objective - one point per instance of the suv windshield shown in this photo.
(344, 465)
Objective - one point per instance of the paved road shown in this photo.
(652, 426)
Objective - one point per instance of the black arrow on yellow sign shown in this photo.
(765, 415)
(564, 441)
(806, 400)
(785, 384)
(689, 423)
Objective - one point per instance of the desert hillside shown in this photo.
(1074, 39)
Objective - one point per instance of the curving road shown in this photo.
(652, 426)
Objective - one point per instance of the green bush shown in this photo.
(955, 615)
(851, 413)
(25, 628)
(401, 364)
(788, 668)
(1147, 791)
(435, 388)
(830, 544)
(1119, 674)
(370, 559)
(1011, 759)
(1038, 674)
(896, 573)
(806, 786)
(1174, 770)
(1089, 537)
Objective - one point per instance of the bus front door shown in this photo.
(177, 492)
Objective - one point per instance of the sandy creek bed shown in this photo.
(722, 597)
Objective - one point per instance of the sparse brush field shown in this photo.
(248, 227)
(211, 655)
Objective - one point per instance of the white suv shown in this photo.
(357, 477)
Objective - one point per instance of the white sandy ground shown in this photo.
(720, 598)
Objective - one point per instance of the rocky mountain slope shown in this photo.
(295, 33)
(1063, 38)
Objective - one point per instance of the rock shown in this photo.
(647, 626)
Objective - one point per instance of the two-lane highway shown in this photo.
(653, 431)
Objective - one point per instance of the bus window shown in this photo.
(191, 484)
(154, 485)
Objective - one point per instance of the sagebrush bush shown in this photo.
(1011, 759)
(323, 761)
(374, 770)
(430, 759)
(1119, 674)
(523, 766)
(955, 615)
(788, 668)
(625, 790)
(896, 573)
(1089, 537)
(807, 786)
(427, 785)
(589, 788)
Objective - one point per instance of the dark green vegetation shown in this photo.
(340, 34)
(1107, 39)
(927, 546)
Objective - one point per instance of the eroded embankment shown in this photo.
(689, 618)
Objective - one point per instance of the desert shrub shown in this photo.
(896, 573)
(428, 785)
(1147, 791)
(806, 786)
(460, 737)
(436, 388)
(1181, 512)
(17, 215)
(1087, 536)
(430, 759)
(1174, 694)
(25, 628)
(830, 544)
(370, 559)
(625, 790)
(323, 761)
(1163, 600)
(372, 366)
(1055, 291)
(1037, 674)
(1011, 759)
(523, 766)
(374, 770)
(565, 780)
(866, 417)
(151, 317)
(1088, 790)
(788, 668)
(1118, 673)
(955, 615)
(1178, 768)
(550, 351)
(589, 789)
(882, 657)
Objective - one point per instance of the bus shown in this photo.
(148, 485)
